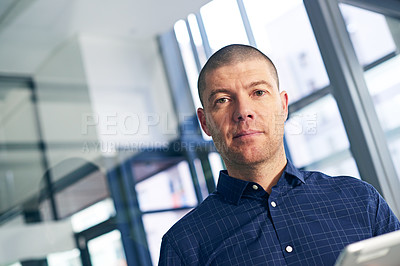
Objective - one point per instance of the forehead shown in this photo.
(244, 72)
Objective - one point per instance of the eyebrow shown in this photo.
(259, 82)
(213, 93)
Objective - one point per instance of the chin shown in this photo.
(244, 158)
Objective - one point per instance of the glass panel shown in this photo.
(94, 94)
(223, 23)
(156, 225)
(182, 35)
(81, 194)
(21, 159)
(394, 147)
(93, 215)
(383, 83)
(172, 188)
(317, 139)
(369, 33)
(192, 71)
(283, 32)
(198, 41)
(68, 258)
(107, 250)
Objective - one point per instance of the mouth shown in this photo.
(246, 134)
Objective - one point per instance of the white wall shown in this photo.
(22, 242)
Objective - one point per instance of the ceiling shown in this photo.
(31, 29)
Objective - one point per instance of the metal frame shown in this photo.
(246, 23)
(204, 37)
(40, 145)
(389, 8)
(367, 141)
(43, 148)
(193, 46)
(127, 216)
(176, 75)
(137, 232)
(82, 238)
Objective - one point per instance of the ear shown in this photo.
(202, 118)
(285, 102)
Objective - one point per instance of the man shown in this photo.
(264, 210)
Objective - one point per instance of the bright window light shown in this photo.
(93, 215)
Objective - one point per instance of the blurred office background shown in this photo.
(100, 149)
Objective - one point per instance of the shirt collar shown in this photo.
(232, 188)
(293, 171)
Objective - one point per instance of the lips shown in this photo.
(246, 133)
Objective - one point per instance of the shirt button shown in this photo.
(255, 187)
(289, 249)
(273, 204)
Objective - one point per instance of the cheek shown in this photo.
(218, 123)
(279, 122)
(272, 118)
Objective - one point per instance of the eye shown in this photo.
(221, 100)
(259, 93)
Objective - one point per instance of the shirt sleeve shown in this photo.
(385, 220)
(168, 255)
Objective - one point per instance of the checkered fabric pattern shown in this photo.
(307, 219)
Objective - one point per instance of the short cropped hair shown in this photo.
(228, 55)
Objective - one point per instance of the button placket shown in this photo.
(282, 232)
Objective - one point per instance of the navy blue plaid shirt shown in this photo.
(307, 219)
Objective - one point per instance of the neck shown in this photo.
(266, 173)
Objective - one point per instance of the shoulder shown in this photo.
(340, 184)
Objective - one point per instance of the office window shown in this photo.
(93, 215)
(198, 41)
(87, 191)
(107, 249)
(223, 23)
(317, 139)
(369, 33)
(172, 188)
(283, 32)
(189, 62)
(21, 158)
(156, 225)
(384, 86)
(66, 258)
(373, 37)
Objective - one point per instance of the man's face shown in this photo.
(244, 112)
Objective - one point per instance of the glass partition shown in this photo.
(21, 156)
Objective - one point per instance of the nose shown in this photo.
(243, 111)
